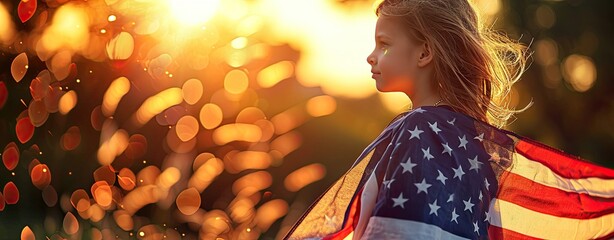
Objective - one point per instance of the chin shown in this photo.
(386, 89)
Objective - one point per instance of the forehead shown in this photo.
(389, 26)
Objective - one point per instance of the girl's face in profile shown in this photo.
(394, 61)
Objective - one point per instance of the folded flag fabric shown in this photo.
(434, 173)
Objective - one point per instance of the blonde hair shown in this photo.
(474, 66)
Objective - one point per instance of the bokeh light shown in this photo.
(11, 193)
(70, 223)
(19, 67)
(7, 27)
(193, 12)
(580, 72)
(10, 156)
(27, 234)
(188, 201)
(67, 102)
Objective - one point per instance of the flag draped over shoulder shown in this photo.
(438, 174)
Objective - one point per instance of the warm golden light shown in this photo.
(187, 128)
(40, 176)
(67, 102)
(168, 178)
(274, 73)
(192, 91)
(269, 212)
(120, 47)
(123, 220)
(236, 82)
(60, 64)
(286, 143)
(70, 224)
(289, 119)
(158, 103)
(321, 106)
(80, 200)
(333, 45)
(188, 201)
(244, 160)
(27, 234)
(193, 12)
(546, 52)
(101, 191)
(112, 18)
(210, 116)
(252, 183)
(395, 101)
(7, 28)
(206, 173)
(37, 112)
(113, 147)
(118, 88)
(69, 29)
(19, 67)
(126, 179)
(580, 72)
(236, 132)
(304, 176)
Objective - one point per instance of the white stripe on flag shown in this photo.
(392, 228)
(541, 174)
(514, 217)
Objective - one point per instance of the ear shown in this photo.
(426, 55)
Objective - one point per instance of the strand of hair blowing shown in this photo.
(474, 66)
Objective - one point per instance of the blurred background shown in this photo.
(151, 119)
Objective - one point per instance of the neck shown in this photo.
(427, 101)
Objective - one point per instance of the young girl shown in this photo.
(445, 170)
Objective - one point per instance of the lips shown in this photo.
(375, 74)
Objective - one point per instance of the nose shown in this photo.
(371, 59)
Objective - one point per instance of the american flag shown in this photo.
(434, 173)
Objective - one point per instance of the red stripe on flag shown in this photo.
(566, 165)
(352, 220)
(495, 232)
(540, 198)
(609, 237)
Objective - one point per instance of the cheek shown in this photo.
(391, 65)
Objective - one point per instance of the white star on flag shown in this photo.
(463, 142)
(451, 198)
(399, 201)
(388, 182)
(415, 133)
(442, 178)
(454, 216)
(475, 164)
(408, 166)
(419, 110)
(468, 205)
(458, 172)
(330, 221)
(434, 127)
(451, 122)
(423, 186)
(446, 149)
(480, 137)
(427, 153)
(476, 228)
(434, 207)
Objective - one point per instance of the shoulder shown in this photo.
(429, 115)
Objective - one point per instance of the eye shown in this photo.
(383, 45)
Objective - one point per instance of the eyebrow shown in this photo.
(382, 36)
